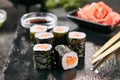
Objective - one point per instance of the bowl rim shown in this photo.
(4, 14)
(46, 13)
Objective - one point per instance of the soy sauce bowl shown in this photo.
(39, 18)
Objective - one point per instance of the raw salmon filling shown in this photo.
(70, 60)
(76, 35)
(61, 29)
(45, 46)
(44, 35)
(42, 47)
(38, 28)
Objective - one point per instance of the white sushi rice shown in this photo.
(76, 35)
(38, 28)
(44, 35)
(64, 65)
(38, 47)
(61, 29)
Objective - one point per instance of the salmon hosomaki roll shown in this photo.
(68, 58)
(44, 37)
(35, 29)
(76, 42)
(60, 34)
(42, 56)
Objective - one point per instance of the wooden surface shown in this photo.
(20, 66)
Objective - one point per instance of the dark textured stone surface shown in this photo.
(20, 66)
(8, 29)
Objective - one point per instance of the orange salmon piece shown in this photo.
(70, 60)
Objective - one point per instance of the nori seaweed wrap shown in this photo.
(44, 37)
(67, 57)
(35, 29)
(43, 56)
(39, 66)
(60, 34)
(76, 41)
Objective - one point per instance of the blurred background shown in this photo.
(16, 8)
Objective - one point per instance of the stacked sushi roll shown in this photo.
(68, 58)
(44, 37)
(60, 34)
(42, 56)
(76, 41)
(35, 29)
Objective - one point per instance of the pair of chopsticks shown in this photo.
(106, 51)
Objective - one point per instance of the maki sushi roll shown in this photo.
(42, 56)
(60, 34)
(44, 37)
(68, 58)
(76, 41)
(35, 29)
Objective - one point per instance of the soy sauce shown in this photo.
(38, 21)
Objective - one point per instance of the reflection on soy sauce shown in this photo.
(48, 75)
(41, 74)
(38, 21)
(69, 74)
(56, 74)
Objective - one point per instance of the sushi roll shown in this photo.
(35, 29)
(60, 34)
(76, 41)
(44, 37)
(68, 58)
(38, 66)
(42, 60)
(42, 56)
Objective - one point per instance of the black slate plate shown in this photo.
(105, 29)
(20, 65)
(20, 62)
